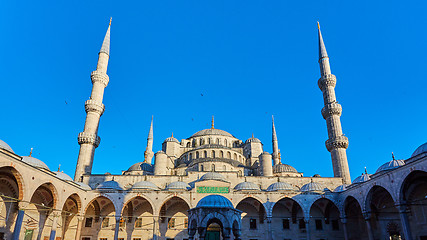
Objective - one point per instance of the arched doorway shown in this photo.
(213, 231)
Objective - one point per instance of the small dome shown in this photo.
(341, 188)
(214, 201)
(212, 131)
(390, 165)
(160, 152)
(141, 166)
(253, 140)
(420, 149)
(110, 185)
(247, 186)
(362, 178)
(34, 162)
(145, 185)
(178, 186)
(281, 168)
(63, 176)
(316, 175)
(281, 186)
(84, 186)
(313, 187)
(171, 139)
(213, 176)
(5, 146)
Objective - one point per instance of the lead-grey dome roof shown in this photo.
(419, 150)
(280, 168)
(281, 186)
(212, 131)
(145, 185)
(171, 139)
(34, 162)
(253, 140)
(313, 187)
(395, 163)
(141, 166)
(362, 178)
(341, 188)
(5, 146)
(178, 186)
(84, 186)
(213, 176)
(214, 201)
(110, 185)
(246, 186)
(63, 176)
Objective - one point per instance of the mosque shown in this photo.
(212, 186)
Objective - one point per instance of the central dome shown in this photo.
(212, 131)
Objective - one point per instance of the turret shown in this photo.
(265, 164)
(148, 154)
(252, 149)
(331, 112)
(161, 163)
(89, 139)
(276, 151)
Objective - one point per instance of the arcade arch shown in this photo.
(286, 214)
(355, 223)
(173, 218)
(324, 220)
(253, 215)
(99, 219)
(138, 221)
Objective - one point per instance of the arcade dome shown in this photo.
(5, 146)
(341, 188)
(213, 176)
(63, 176)
(313, 187)
(390, 165)
(84, 186)
(362, 178)
(145, 185)
(214, 201)
(141, 166)
(246, 186)
(178, 186)
(171, 139)
(109, 185)
(420, 149)
(281, 186)
(34, 162)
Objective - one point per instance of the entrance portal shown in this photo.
(213, 232)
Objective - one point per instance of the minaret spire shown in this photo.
(148, 154)
(276, 151)
(89, 139)
(331, 112)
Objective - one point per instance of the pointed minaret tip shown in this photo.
(318, 25)
(106, 44)
(274, 129)
(322, 48)
(150, 133)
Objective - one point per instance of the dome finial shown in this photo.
(31, 152)
(252, 135)
(392, 156)
(366, 171)
(213, 122)
(172, 134)
(59, 167)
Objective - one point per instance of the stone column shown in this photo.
(227, 233)
(19, 219)
(202, 232)
(79, 227)
(307, 227)
(368, 226)
(269, 233)
(344, 226)
(117, 228)
(54, 225)
(405, 222)
(155, 227)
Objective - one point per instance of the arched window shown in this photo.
(205, 154)
(240, 158)
(213, 167)
(221, 154)
(225, 142)
(209, 141)
(201, 142)
(188, 144)
(201, 168)
(197, 155)
(228, 155)
(217, 141)
(213, 154)
(194, 142)
(224, 168)
(235, 156)
(190, 156)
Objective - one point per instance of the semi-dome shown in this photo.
(362, 178)
(110, 185)
(34, 162)
(395, 163)
(212, 131)
(84, 186)
(145, 185)
(253, 140)
(63, 176)
(281, 168)
(281, 186)
(213, 176)
(5, 146)
(178, 186)
(214, 201)
(313, 187)
(420, 149)
(171, 139)
(246, 186)
(341, 188)
(141, 166)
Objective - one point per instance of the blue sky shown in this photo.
(249, 60)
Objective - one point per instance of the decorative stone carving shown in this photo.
(89, 138)
(331, 109)
(97, 76)
(338, 142)
(94, 106)
(328, 80)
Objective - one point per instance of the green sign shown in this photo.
(212, 189)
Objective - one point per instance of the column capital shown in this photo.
(367, 215)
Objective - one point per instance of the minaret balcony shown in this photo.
(331, 109)
(337, 142)
(101, 77)
(328, 80)
(94, 106)
(88, 138)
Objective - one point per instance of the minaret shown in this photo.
(337, 142)
(148, 154)
(276, 151)
(89, 139)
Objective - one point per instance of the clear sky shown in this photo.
(242, 61)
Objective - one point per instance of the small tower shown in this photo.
(265, 165)
(89, 139)
(337, 142)
(148, 154)
(276, 151)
